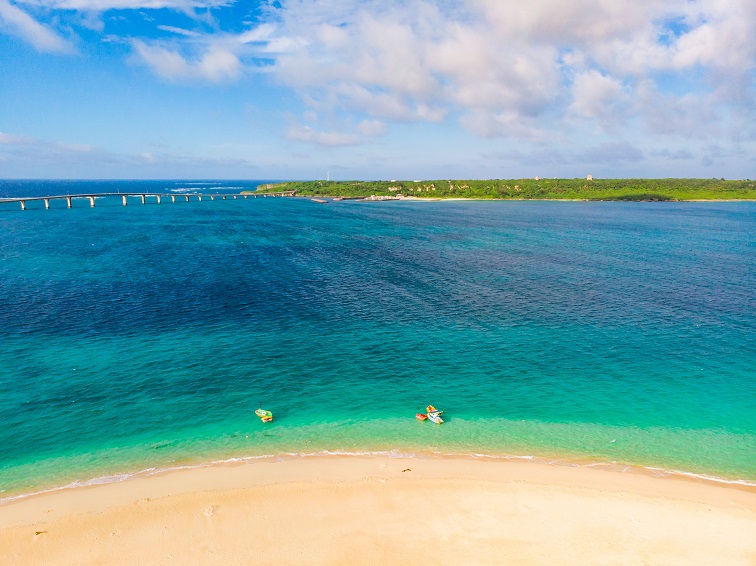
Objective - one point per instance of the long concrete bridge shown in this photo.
(144, 197)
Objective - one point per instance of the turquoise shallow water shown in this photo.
(143, 336)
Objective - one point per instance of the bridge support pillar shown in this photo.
(158, 199)
(143, 199)
(173, 198)
(199, 197)
(47, 204)
(123, 198)
(91, 202)
(224, 197)
(23, 204)
(187, 198)
(68, 200)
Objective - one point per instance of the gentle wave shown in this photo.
(100, 480)
(399, 454)
(660, 472)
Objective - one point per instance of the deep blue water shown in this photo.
(146, 335)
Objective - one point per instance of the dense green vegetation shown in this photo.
(572, 189)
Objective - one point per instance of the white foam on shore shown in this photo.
(100, 480)
(662, 473)
(284, 456)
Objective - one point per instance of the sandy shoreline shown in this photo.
(350, 509)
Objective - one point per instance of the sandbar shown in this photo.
(382, 510)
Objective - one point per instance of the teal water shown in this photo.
(145, 336)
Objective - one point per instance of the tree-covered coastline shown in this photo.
(567, 189)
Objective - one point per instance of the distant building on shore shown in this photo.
(589, 178)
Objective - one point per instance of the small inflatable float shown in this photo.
(435, 418)
(265, 416)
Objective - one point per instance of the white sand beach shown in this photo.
(360, 510)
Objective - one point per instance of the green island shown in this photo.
(528, 189)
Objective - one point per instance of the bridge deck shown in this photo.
(147, 194)
(143, 196)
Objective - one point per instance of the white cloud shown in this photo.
(216, 64)
(339, 134)
(256, 34)
(18, 22)
(372, 128)
(505, 123)
(21, 155)
(22, 141)
(214, 57)
(598, 97)
(507, 68)
(311, 135)
(575, 23)
(91, 21)
(30, 153)
(417, 61)
(500, 68)
(179, 31)
(691, 115)
(10, 139)
(64, 147)
(724, 44)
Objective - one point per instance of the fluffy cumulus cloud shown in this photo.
(514, 69)
(504, 69)
(598, 97)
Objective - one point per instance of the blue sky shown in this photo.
(377, 89)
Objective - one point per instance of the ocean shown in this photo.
(144, 337)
